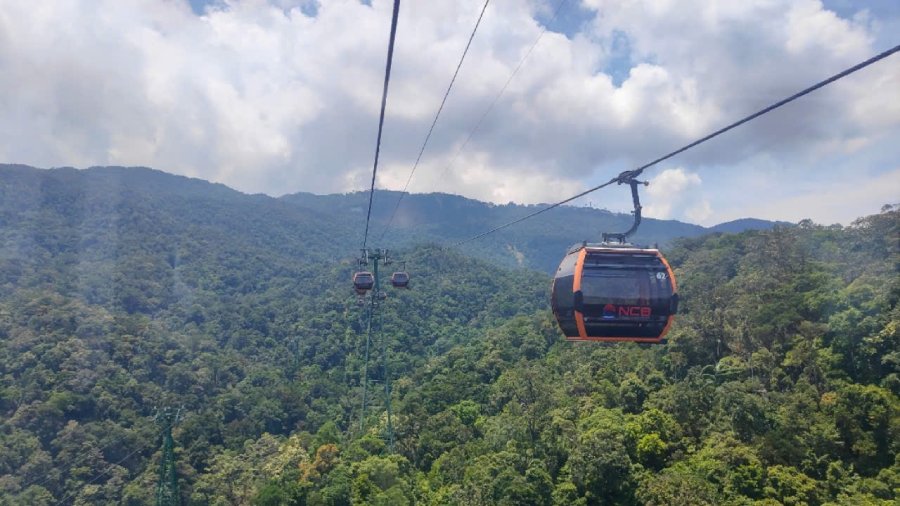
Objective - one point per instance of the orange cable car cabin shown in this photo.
(614, 293)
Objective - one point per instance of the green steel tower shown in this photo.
(167, 487)
(376, 257)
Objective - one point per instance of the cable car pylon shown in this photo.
(369, 282)
(365, 381)
(167, 493)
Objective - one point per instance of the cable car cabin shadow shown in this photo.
(614, 293)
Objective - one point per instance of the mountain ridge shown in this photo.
(336, 220)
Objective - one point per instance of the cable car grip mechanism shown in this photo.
(628, 177)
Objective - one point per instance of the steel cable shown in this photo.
(387, 78)
(637, 172)
(434, 122)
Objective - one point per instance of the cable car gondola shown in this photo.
(614, 291)
(363, 281)
(400, 279)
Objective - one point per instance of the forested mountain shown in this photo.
(125, 292)
(538, 243)
(322, 226)
(738, 226)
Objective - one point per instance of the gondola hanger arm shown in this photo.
(628, 177)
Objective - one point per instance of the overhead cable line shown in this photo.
(630, 174)
(493, 103)
(81, 457)
(387, 78)
(436, 116)
(98, 476)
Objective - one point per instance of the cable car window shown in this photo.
(623, 285)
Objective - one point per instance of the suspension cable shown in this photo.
(436, 116)
(387, 78)
(99, 475)
(493, 103)
(81, 457)
(629, 174)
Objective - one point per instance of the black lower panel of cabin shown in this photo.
(643, 330)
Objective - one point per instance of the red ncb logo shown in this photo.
(612, 311)
(640, 311)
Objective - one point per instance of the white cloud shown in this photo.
(677, 193)
(825, 202)
(264, 96)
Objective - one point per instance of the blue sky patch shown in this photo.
(619, 64)
(309, 8)
(571, 19)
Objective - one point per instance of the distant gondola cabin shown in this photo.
(400, 280)
(363, 281)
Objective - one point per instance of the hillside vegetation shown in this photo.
(313, 226)
(779, 384)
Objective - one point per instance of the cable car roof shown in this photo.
(610, 248)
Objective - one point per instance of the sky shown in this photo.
(281, 96)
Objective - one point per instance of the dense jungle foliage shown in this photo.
(779, 384)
